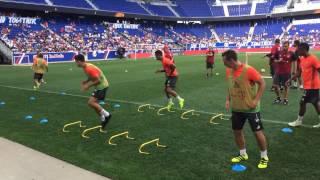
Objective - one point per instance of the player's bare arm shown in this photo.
(228, 101)
(89, 84)
(296, 75)
(160, 71)
(172, 67)
(261, 87)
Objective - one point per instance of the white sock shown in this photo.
(170, 100)
(179, 98)
(102, 118)
(243, 152)
(104, 113)
(300, 118)
(264, 154)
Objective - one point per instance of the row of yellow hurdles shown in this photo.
(110, 141)
(184, 115)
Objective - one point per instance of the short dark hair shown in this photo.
(80, 58)
(39, 55)
(304, 46)
(230, 54)
(296, 42)
(277, 41)
(158, 53)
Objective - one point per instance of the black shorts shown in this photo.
(171, 81)
(310, 96)
(38, 76)
(239, 119)
(210, 65)
(100, 95)
(281, 79)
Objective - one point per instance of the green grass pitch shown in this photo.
(196, 148)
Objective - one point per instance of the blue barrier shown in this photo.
(54, 57)
(231, 45)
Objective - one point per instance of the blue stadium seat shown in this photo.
(245, 9)
(180, 11)
(238, 29)
(33, 1)
(190, 8)
(305, 29)
(201, 31)
(271, 28)
(120, 6)
(278, 2)
(262, 8)
(74, 3)
(239, 10)
(159, 10)
(217, 11)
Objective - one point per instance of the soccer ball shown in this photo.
(263, 70)
(126, 71)
(217, 74)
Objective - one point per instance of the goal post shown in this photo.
(26, 59)
(21, 60)
(259, 61)
(147, 49)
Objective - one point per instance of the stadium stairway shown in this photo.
(210, 3)
(214, 33)
(225, 9)
(173, 11)
(251, 32)
(178, 35)
(170, 7)
(253, 8)
(66, 42)
(145, 8)
(5, 52)
(286, 30)
(49, 2)
(92, 5)
(290, 3)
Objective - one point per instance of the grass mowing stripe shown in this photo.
(139, 103)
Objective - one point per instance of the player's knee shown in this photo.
(302, 102)
(259, 132)
(91, 102)
(237, 131)
(167, 89)
(316, 104)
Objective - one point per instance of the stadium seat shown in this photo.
(77, 3)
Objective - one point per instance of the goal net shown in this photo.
(147, 49)
(259, 61)
(25, 59)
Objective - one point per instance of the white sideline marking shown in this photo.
(267, 77)
(139, 103)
